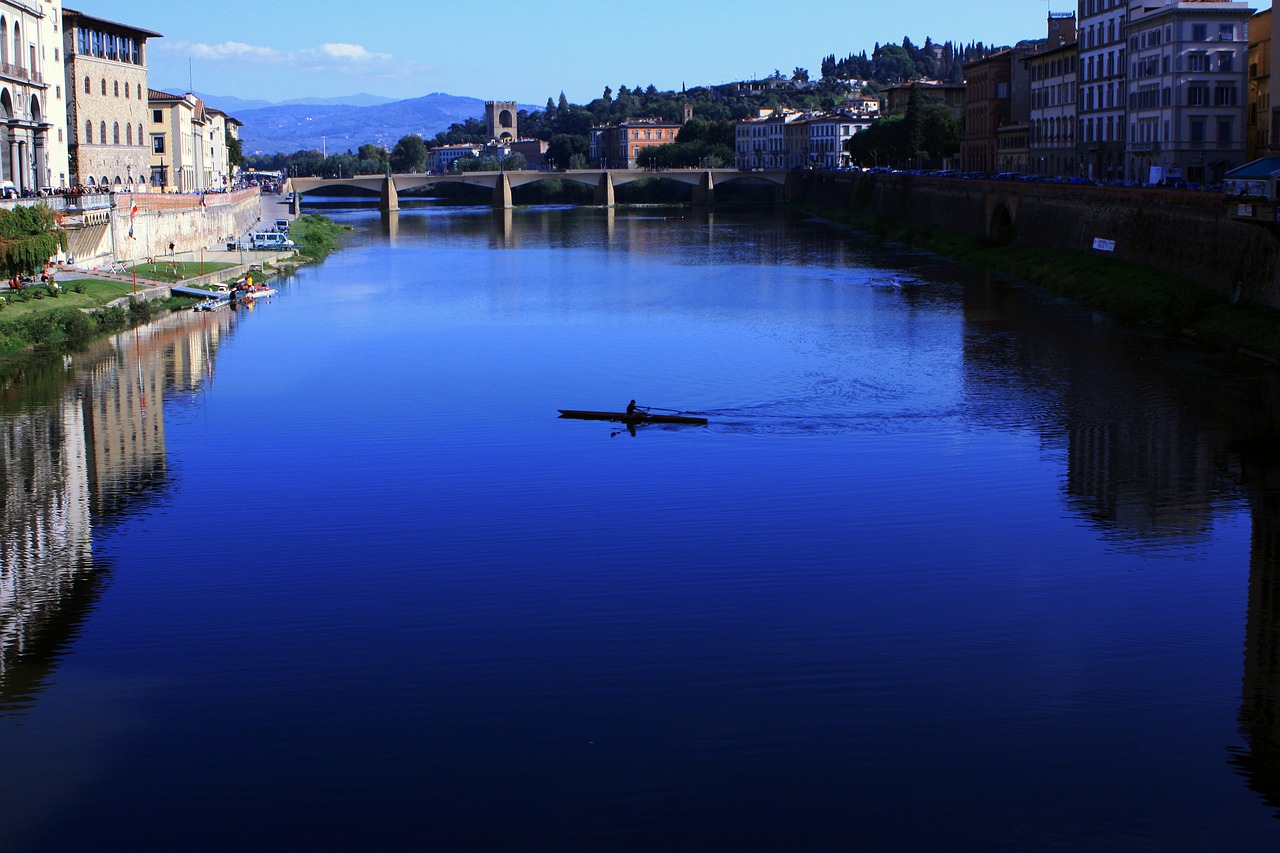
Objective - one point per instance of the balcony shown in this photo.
(17, 72)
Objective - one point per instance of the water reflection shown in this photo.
(1156, 439)
(88, 454)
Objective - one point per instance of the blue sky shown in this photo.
(502, 49)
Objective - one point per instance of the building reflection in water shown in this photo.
(86, 453)
(1155, 443)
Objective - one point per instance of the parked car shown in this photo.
(282, 225)
(271, 240)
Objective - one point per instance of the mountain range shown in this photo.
(335, 125)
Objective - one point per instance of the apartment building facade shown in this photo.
(1100, 99)
(1187, 89)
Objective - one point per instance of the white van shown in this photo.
(271, 240)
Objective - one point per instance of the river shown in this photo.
(953, 564)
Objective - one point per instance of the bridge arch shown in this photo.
(1001, 219)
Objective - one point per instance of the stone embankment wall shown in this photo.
(1184, 232)
(161, 219)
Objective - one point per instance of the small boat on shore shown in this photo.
(639, 416)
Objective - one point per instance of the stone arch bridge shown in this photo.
(500, 184)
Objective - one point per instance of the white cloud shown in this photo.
(326, 58)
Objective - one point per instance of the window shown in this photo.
(102, 133)
(104, 85)
(128, 134)
(1197, 61)
(1198, 95)
(1197, 130)
(140, 133)
(115, 133)
(88, 132)
(87, 86)
(117, 88)
(157, 116)
(1226, 60)
(1199, 32)
(1224, 95)
(157, 144)
(1226, 32)
(1224, 130)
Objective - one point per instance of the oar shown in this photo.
(671, 411)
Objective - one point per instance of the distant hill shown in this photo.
(285, 128)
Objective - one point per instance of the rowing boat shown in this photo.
(636, 417)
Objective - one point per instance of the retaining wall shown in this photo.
(1185, 232)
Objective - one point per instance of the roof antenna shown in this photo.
(191, 86)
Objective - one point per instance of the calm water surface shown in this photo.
(952, 566)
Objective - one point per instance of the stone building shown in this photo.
(1186, 89)
(105, 65)
(33, 146)
(1053, 111)
(986, 109)
(500, 120)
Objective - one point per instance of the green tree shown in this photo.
(563, 146)
(235, 151)
(374, 159)
(409, 154)
(513, 162)
(29, 237)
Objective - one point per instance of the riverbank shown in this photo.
(1132, 294)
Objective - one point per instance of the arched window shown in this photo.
(115, 134)
(140, 134)
(87, 88)
(128, 133)
(126, 91)
(17, 45)
(104, 85)
(117, 88)
(88, 133)
(102, 133)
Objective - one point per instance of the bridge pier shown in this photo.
(295, 206)
(502, 192)
(390, 200)
(604, 191)
(705, 191)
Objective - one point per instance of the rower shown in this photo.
(631, 408)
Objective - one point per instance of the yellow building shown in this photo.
(1258, 129)
(188, 144)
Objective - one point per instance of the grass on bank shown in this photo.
(172, 272)
(315, 235)
(71, 293)
(1132, 294)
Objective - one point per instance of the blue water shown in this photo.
(952, 565)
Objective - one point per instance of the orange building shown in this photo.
(622, 145)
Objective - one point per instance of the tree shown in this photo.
(513, 162)
(372, 159)
(800, 75)
(29, 237)
(235, 151)
(409, 154)
(563, 146)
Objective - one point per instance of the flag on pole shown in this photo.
(204, 208)
(133, 211)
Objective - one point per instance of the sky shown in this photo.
(527, 52)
